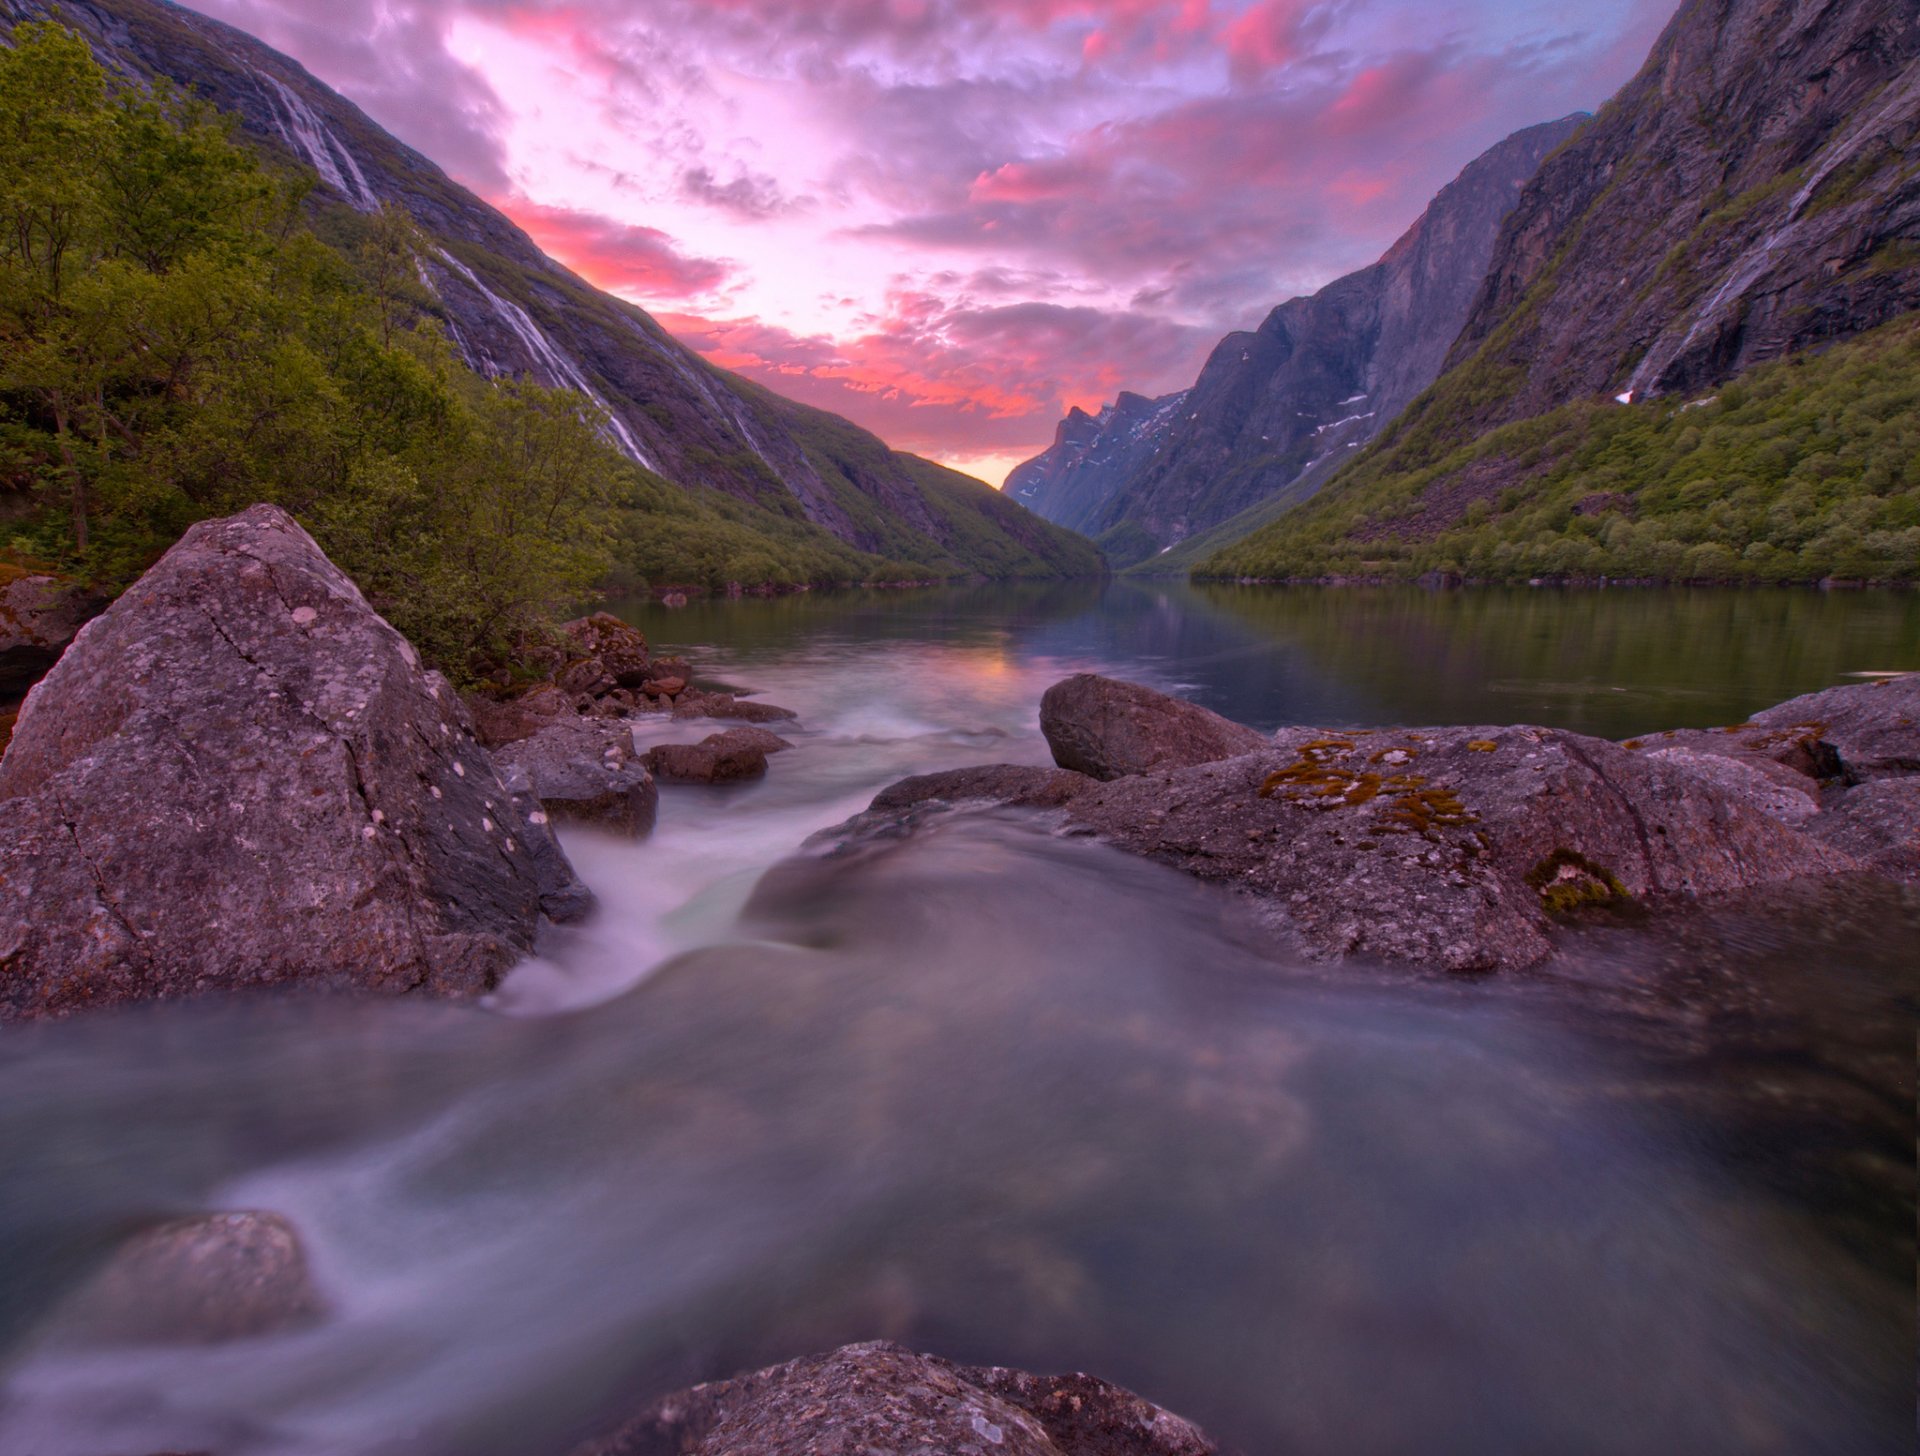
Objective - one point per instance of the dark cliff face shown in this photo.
(1753, 191)
(1279, 408)
(1093, 457)
(511, 310)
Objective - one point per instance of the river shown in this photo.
(1021, 1099)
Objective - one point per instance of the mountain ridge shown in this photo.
(1275, 409)
(1750, 196)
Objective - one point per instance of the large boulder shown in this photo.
(240, 775)
(1862, 731)
(1107, 729)
(39, 616)
(879, 1399)
(1455, 849)
(584, 770)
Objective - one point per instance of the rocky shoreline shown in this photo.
(1457, 849)
(240, 776)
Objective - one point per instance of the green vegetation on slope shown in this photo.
(1801, 469)
(182, 335)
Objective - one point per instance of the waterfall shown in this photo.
(560, 369)
(307, 134)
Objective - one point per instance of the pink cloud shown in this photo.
(1071, 196)
(620, 256)
(948, 381)
(1265, 36)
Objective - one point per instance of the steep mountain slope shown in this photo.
(511, 310)
(1093, 457)
(1277, 409)
(1754, 192)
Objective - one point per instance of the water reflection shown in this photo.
(1612, 663)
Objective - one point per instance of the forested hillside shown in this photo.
(188, 326)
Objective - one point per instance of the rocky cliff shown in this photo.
(1278, 408)
(1752, 192)
(1093, 457)
(511, 310)
(1751, 195)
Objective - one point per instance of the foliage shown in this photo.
(185, 330)
(1801, 469)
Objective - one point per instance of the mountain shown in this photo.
(1093, 457)
(1753, 194)
(513, 311)
(1275, 410)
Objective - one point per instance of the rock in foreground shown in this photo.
(1461, 849)
(1108, 729)
(240, 775)
(881, 1400)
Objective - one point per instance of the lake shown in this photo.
(1020, 1099)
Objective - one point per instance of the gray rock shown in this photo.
(1766, 785)
(1878, 823)
(765, 740)
(240, 775)
(620, 649)
(1873, 727)
(584, 770)
(694, 703)
(719, 758)
(39, 616)
(881, 1400)
(563, 898)
(499, 721)
(1454, 849)
(200, 1280)
(1107, 729)
(1003, 783)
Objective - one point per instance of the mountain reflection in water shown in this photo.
(1017, 1099)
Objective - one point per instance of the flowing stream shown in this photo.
(1021, 1099)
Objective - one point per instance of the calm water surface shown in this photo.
(1021, 1099)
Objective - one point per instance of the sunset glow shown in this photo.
(950, 220)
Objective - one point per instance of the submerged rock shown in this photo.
(585, 770)
(241, 775)
(879, 1399)
(1107, 729)
(201, 1280)
(719, 758)
(39, 616)
(1462, 849)
(694, 703)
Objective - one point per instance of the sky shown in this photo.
(951, 220)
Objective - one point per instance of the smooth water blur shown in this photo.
(1022, 1099)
